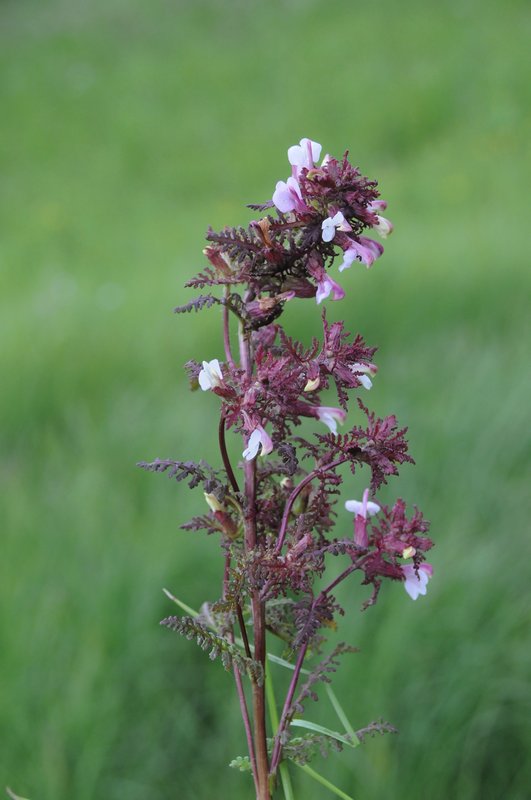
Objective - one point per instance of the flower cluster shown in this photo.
(275, 511)
(313, 192)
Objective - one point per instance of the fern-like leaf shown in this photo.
(217, 646)
(320, 674)
(198, 303)
(194, 473)
(374, 728)
(301, 749)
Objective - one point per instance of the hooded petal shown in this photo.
(328, 229)
(365, 250)
(384, 227)
(304, 154)
(328, 286)
(259, 439)
(330, 416)
(357, 507)
(211, 375)
(416, 581)
(253, 445)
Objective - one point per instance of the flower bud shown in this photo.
(213, 502)
(217, 259)
(312, 384)
(227, 524)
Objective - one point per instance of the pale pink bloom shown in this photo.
(416, 581)
(327, 286)
(364, 250)
(210, 376)
(288, 197)
(362, 372)
(384, 227)
(362, 509)
(259, 438)
(377, 205)
(304, 155)
(330, 224)
(330, 416)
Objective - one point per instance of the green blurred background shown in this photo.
(127, 128)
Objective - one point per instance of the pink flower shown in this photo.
(416, 580)
(365, 250)
(377, 205)
(304, 155)
(362, 372)
(288, 197)
(363, 509)
(327, 286)
(330, 224)
(259, 438)
(383, 226)
(210, 376)
(330, 416)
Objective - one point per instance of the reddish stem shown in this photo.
(287, 711)
(239, 685)
(225, 456)
(257, 606)
(226, 330)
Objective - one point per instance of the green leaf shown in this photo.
(283, 663)
(324, 782)
(273, 716)
(183, 606)
(10, 793)
(313, 726)
(191, 628)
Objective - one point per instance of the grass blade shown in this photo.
(313, 726)
(341, 715)
(324, 782)
(273, 716)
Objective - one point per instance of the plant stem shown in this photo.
(286, 711)
(239, 684)
(243, 631)
(226, 330)
(257, 606)
(225, 456)
(273, 718)
(284, 717)
(246, 721)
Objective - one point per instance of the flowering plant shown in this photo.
(275, 521)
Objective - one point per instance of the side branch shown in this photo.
(225, 456)
(226, 329)
(295, 493)
(287, 711)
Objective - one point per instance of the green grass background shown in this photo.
(128, 127)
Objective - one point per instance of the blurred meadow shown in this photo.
(127, 128)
